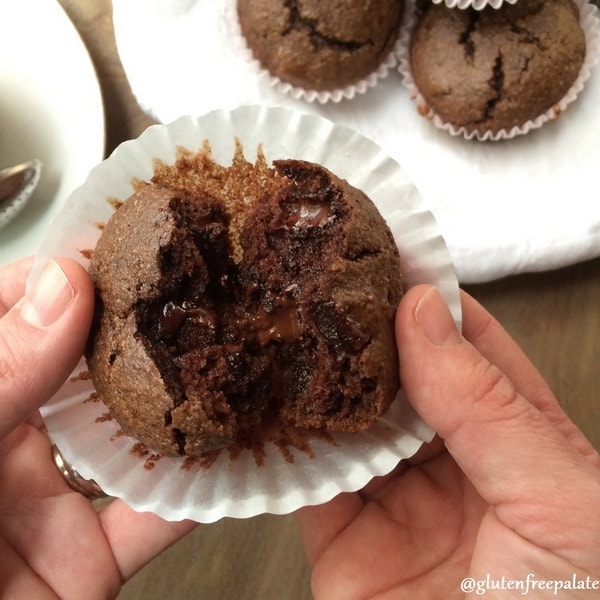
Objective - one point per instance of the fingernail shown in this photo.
(48, 298)
(435, 319)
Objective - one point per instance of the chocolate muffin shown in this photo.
(232, 299)
(320, 45)
(495, 69)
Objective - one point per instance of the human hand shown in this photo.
(510, 487)
(53, 542)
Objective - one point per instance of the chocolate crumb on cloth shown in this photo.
(495, 69)
(235, 299)
(320, 45)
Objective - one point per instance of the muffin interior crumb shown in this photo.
(232, 338)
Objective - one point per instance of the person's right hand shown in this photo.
(511, 495)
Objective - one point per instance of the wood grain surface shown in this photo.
(555, 316)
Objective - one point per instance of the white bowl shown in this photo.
(50, 109)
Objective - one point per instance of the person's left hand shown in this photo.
(53, 542)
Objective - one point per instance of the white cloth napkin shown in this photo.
(529, 204)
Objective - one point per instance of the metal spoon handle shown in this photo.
(16, 186)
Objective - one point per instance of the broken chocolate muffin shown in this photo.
(494, 69)
(320, 45)
(230, 298)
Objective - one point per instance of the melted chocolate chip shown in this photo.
(277, 325)
(172, 316)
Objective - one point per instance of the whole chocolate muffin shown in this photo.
(255, 296)
(320, 45)
(495, 69)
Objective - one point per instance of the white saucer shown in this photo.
(503, 208)
(50, 108)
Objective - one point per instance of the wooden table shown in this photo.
(555, 316)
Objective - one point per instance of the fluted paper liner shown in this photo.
(476, 4)
(238, 487)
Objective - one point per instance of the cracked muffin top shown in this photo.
(319, 45)
(496, 69)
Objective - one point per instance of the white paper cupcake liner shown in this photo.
(590, 24)
(298, 93)
(238, 488)
(476, 4)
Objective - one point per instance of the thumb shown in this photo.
(506, 446)
(41, 339)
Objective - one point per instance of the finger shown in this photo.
(439, 367)
(13, 278)
(137, 537)
(54, 529)
(41, 339)
(506, 446)
(493, 342)
(32, 486)
(490, 338)
(320, 525)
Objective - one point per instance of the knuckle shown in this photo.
(14, 382)
(9, 362)
(492, 389)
